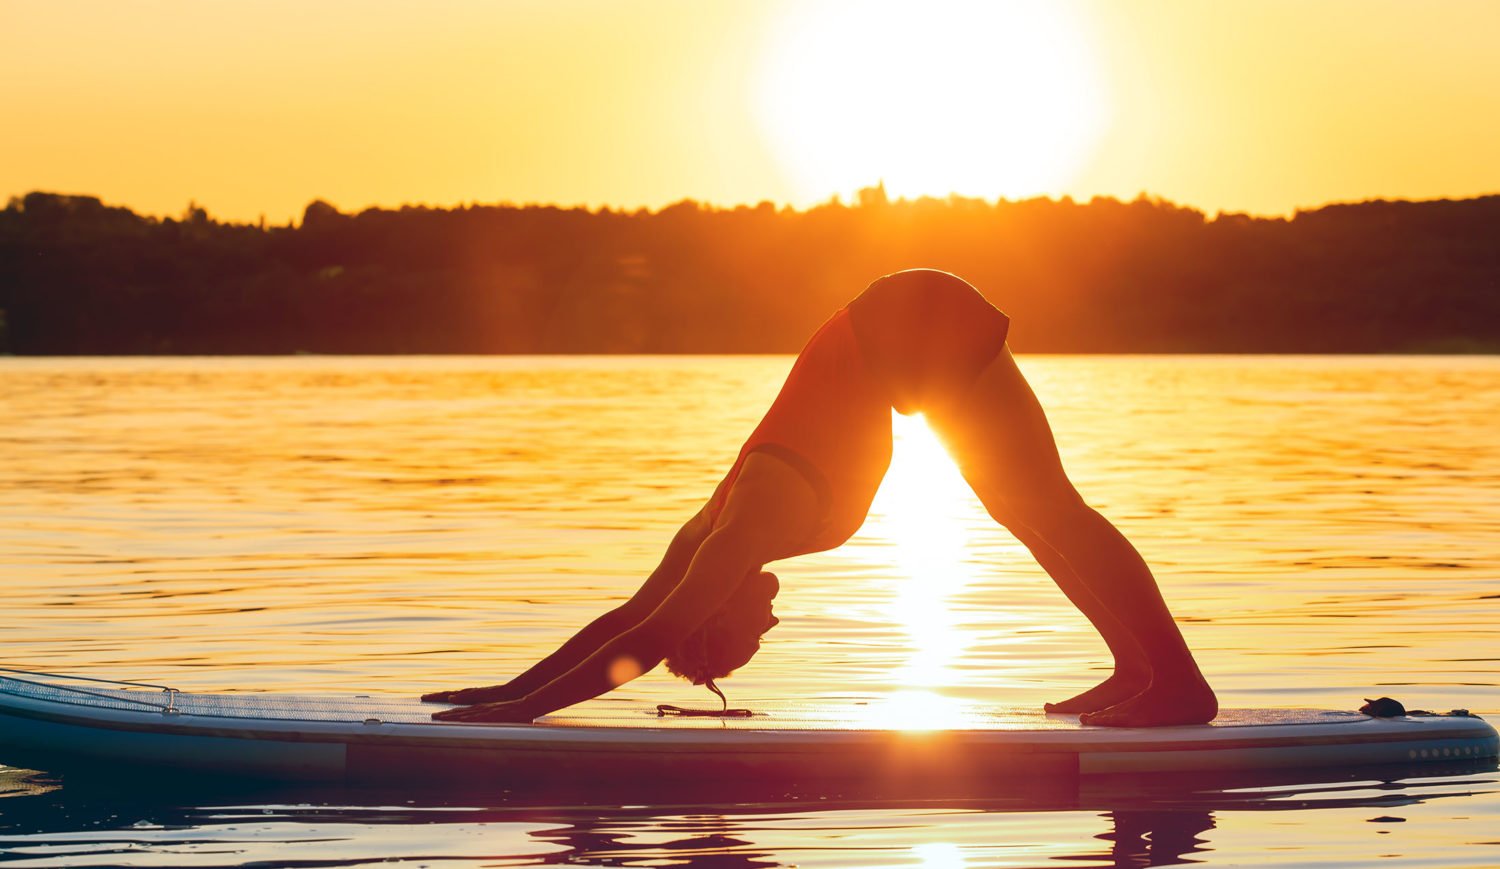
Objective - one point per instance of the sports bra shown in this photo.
(832, 423)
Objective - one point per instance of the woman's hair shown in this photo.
(703, 655)
(690, 660)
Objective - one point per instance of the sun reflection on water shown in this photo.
(919, 511)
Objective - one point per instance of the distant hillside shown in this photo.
(80, 277)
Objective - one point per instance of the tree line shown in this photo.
(78, 276)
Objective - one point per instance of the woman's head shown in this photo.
(729, 638)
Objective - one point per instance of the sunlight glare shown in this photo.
(920, 509)
(915, 710)
(976, 98)
(939, 855)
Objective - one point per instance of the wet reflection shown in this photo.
(1128, 822)
(706, 840)
(1135, 838)
(1154, 838)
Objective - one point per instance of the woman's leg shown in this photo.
(1000, 438)
(1132, 672)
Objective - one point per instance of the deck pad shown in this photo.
(400, 709)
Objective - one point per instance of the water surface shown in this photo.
(1324, 528)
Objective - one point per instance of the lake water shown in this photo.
(1325, 529)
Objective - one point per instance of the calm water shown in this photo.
(1326, 529)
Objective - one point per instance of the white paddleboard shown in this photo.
(98, 728)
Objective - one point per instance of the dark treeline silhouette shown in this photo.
(81, 277)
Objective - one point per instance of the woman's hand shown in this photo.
(504, 712)
(470, 696)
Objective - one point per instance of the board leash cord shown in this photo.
(665, 709)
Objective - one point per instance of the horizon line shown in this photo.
(834, 200)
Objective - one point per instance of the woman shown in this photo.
(918, 340)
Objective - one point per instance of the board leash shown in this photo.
(665, 709)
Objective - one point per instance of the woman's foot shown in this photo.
(1119, 687)
(1162, 704)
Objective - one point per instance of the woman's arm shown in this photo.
(658, 585)
(703, 590)
(769, 511)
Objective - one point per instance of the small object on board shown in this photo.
(1383, 707)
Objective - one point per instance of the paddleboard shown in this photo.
(103, 728)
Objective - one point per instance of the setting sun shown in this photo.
(855, 93)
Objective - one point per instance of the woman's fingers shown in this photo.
(466, 696)
(498, 713)
(471, 695)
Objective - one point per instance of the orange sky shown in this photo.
(255, 108)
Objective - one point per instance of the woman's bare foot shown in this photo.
(1162, 704)
(1119, 687)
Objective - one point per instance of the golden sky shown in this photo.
(255, 108)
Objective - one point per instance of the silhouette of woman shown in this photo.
(918, 340)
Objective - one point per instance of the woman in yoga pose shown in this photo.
(918, 340)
